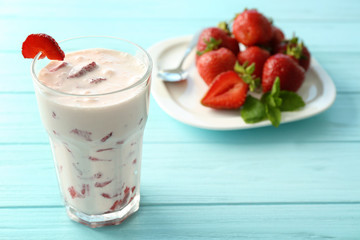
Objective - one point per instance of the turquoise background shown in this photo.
(300, 181)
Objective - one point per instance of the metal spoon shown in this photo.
(178, 74)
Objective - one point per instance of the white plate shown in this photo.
(182, 100)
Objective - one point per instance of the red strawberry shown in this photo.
(251, 27)
(36, 43)
(255, 55)
(277, 38)
(228, 91)
(214, 38)
(296, 50)
(290, 73)
(210, 64)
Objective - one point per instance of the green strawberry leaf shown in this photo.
(294, 48)
(273, 114)
(253, 110)
(240, 68)
(212, 44)
(290, 101)
(250, 69)
(224, 26)
(245, 72)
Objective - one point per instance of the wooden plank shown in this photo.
(204, 173)
(318, 35)
(20, 123)
(295, 222)
(75, 10)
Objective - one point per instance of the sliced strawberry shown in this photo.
(36, 43)
(228, 91)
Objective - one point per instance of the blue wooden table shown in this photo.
(299, 181)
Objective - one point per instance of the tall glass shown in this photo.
(96, 140)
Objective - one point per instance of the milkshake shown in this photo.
(94, 106)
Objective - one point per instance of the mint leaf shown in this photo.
(275, 90)
(253, 110)
(272, 98)
(271, 105)
(273, 114)
(290, 101)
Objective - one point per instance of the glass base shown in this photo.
(106, 219)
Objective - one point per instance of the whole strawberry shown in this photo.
(296, 50)
(210, 64)
(277, 38)
(291, 74)
(227, 91)
(213, 38)
(251, 28)
(256, 55)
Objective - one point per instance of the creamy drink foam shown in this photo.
(96, 132)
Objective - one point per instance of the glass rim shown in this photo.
(146, 75)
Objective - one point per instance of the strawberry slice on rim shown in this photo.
(41, 42)
(227, 91)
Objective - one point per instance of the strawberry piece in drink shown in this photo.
(102, 184)
(78, 71)
(84, 134)
(106, 137)
(97, 80)
(95, 159)
(61, 65)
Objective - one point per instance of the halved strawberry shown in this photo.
(227, 91)
(40, 42)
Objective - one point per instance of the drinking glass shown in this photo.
(96, 140)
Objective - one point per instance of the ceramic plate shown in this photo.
(182, 100)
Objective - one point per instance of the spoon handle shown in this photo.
(190, 47)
